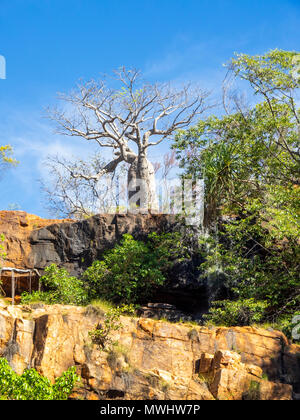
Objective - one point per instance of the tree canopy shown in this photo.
(249, 159)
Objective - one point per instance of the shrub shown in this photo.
(133, 270)
(287, 326)
(61, 288)
(253, 392)
(236, 313)
(33, 386)
(101, 334)
(36, 297)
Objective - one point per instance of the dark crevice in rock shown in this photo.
(12, 346)
(39, 339)
(115, 393)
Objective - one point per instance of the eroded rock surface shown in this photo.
(17, 226)
(76, 245)
(32, 242)
(153, 359)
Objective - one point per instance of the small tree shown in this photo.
(61, 288)
(101, 335)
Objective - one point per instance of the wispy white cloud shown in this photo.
(33, 139)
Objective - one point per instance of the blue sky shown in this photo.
(50, 44)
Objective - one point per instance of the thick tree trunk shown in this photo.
(142, 186)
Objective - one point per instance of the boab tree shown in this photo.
(128, 118)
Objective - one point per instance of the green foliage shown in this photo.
(36, 297)
(270, 74)
(5, 155)
(258, 259)
(132, 270)
(101, 334)
(240, 156)
(129, 273)
(236, 313)
(2, 253)
(61, 288)
(250, 163)
(99, 306)
(33, 386)
(253, 393)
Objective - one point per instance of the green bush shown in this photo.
(36, 297)
(133, 270)
(249, 162)
(286, 325)
(101, 334)
(236, 313)
(61, 288)
(33, 386)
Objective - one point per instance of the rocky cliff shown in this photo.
(153, 359)
(76, 245)
(17, 227)
(32, 242)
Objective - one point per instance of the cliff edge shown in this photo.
(152, 359)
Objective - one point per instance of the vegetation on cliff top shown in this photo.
(250, 161)
(60, 288)
(133, 270)
(129, 273)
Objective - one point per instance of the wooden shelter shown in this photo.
(19, 280)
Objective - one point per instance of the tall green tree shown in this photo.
(250, 162)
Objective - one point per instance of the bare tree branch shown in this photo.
(126, 118)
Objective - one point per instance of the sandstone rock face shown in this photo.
(17, 227)
(32, 242)
(153, 359)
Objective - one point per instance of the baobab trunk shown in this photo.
(142, 186)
